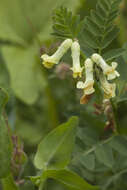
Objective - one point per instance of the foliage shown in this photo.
(55, 150)
(5, 142)
(25, 32)
(99, 29)
(69, 146)
(66, 25)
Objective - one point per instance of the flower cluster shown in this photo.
(106, 72)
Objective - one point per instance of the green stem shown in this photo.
(51, 104)
(114, 110)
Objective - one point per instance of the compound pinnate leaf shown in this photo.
(55, 149)
(110, 37)
(88, 161)
(119, 143)
(66, 25)
(104, 154)
(100, 24)
(114, 53)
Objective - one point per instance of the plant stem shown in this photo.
(51, 104)
(114, 111)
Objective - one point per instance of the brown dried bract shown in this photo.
(85, 99)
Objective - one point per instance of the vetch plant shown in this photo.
(89, 150)
(96, 32)
(104, 71)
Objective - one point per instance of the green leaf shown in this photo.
(119, 143)
(70, 179)
(110, 37)
(92, 26)
(88, 161)
(3, 99)
(100, 24)
(5, 142)
(22, 27)
(122, 102)
(101, 11)
(22, 65)
(112, 54)
(88, 136)
(86, 50)
(96, 18)
(35, 179)
(20, 24)
(55, 149)
(65, 25)
(4, 75)
(104, 154)
(9, 184)
(5, 149)
(90, 40)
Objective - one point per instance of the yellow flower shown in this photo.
(107, 70)
(49, 61)
(87, 86)
(108, 88)
(77, 69)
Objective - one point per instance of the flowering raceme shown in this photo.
(103, 71)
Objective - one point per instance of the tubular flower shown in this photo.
(49, 61)
(108, 88)
(107, 70)
(77, 69)
(87, 86)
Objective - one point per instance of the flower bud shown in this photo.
(77, 69)
(49, 61)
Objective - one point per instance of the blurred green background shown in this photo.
(40, 99)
